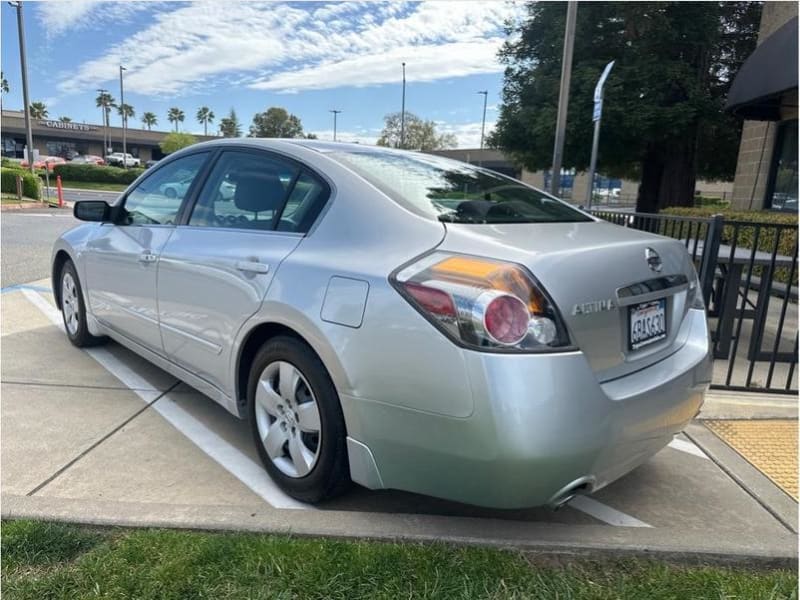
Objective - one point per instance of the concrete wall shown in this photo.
(758, 137)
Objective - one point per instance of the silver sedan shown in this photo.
(396, 319)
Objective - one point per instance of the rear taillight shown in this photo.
(483, 303)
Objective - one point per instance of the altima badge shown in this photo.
(587, 308)
(653, 260)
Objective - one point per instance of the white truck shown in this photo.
(119, 159)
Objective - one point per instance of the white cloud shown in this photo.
(60, 16)
(291, 47)
(424, 63)
(467, 134)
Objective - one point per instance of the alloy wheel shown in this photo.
(288, 420)
(69, 303)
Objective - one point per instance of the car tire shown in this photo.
(329, 475)
(170, 192)
(73, 309)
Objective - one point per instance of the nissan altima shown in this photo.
(395, 319)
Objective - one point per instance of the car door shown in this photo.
(214, 271)
(122, 259)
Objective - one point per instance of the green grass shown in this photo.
(90, 185)
(45, 560)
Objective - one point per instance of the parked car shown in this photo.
(396, 319)
(88, 159)
(48, 162)
(150, 163)
(119, 159)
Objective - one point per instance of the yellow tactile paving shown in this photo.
(770, 445)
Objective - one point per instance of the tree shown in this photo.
(105, 101)
(65, 119)
(276, 122)
(149, 119)
(205, 116)
(174, 141)
(175, 115)
(126, 112)
(38, 110)
(663, 119)
(419, 134)
(229, 126)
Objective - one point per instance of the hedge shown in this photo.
(31, 186)
(96, 173)
(745, 235)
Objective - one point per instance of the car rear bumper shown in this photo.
(540, 423)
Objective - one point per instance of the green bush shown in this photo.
(96, 173)
(31, 186)
(785, 237)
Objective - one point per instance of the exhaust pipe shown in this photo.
(582, 485)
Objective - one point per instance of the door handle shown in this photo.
(252, 266)
(147, 257)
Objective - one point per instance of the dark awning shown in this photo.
(768, 72)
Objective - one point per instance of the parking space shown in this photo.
(106, 426)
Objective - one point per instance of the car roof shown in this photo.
(318, 145)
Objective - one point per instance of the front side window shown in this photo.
(455, 192)
(157, 199)
(245, 190)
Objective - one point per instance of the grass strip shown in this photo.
(47, 560)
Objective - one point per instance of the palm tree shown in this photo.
(149, 119)
(205, 116)
(38, 110)
(4, 89)
(106, 102)
(175, 115)
(126, 112)
(65, 119)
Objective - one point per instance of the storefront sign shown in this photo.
(68, 126)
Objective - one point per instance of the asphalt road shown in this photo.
(26, 242)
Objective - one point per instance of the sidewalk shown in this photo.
(754, 438)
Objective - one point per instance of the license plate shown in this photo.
(648, 323)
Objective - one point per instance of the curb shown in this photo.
(691, 547)
(23, 206)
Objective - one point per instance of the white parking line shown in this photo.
(604, 513)
(228, 456)
(688, 447)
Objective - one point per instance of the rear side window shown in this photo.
(304, 204)
(245, 190)
(455, 192)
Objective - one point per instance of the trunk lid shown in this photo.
(597, 274)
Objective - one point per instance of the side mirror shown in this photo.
(92, 210)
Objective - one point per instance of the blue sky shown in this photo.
(308, 57)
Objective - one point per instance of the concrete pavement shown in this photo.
(104, 437)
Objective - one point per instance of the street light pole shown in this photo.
(335, 112)
(23, 61)
(563, 97)
(124, 119)
(403, 112)
(483, 125)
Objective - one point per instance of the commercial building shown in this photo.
(57, 138)
(764, 92)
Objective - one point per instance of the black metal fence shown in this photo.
(748, 273)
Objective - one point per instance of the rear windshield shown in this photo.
(455, 192)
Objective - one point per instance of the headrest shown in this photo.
(257, 192)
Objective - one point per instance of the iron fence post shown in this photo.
(708, 263)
